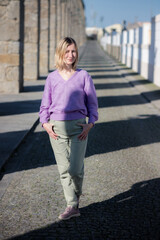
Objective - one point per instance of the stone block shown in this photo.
(2, 72)
(12, 59)
(12, 73)
(3, 47)
(4, 2)
(44, 37)
(31, 35)
(10, 30)
(44, 23)
(31, 6)
(13, 10)
(30, 72)
(2, 11)
(9, 87)
(30, 47)
(30, 20)
(30, 58)
(13, 47)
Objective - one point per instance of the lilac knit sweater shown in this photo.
(69, 100)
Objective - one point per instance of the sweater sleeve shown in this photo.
(46, 102)
(91, 100)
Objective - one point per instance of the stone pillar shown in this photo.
(82, 36)
(73, 20)
(44, 58)
(75, 26)
(30, 40)
(66, 19)
(63, 23)
(53, 32)
(59, 19)
(69, 14)
(77, 21)
(11, 45)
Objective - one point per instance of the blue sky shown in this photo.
(102, 13)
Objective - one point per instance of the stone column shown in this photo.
(11, 45)
(59, 19)
(82, 36)
(63, 23)
(77, 25)
(66, 18)
(30, 40)
(53, 32)
(44, 58)
(72, 23)
(69, 14)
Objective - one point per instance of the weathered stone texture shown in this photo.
(9, 45)
(11, 73)
(52, 43)
(10, 59)
(9, 21)
(30, 40)
(13, 47)
(44, 38)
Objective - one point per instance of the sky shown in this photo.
(103, 13)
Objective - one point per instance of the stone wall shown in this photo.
(9, 45)
(29, 33)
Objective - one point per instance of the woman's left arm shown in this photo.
(91, 100)
(92, 107)
(86, 128)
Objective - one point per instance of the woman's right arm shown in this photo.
(46, 102)
(44, 109)
(50, 130)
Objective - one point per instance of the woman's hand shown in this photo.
(86, 129)
(50, 130)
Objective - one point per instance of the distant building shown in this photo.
(134, 25)
(115, 27)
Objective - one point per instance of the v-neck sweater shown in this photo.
(70, 99)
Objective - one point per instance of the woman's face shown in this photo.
(70, 55)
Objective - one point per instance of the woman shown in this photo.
(69, 97)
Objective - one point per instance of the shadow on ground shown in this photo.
(133, 214)
(123, 134)
(38, 88)
(19, 107)
(104, 137)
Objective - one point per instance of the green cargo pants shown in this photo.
(69, 152)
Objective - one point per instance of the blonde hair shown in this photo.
(60, 52)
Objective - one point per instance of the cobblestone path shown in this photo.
(121, 194)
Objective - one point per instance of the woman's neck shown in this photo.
(67, 68)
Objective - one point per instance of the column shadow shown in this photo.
(19, 107)
(133, 215)
(123, 134)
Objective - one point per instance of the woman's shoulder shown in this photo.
(52, 74)
(83, 72)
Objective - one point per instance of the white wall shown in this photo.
(140, 48)
(156, 74)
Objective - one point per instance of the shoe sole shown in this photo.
(75, 215)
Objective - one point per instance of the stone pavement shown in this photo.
(122, 171)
